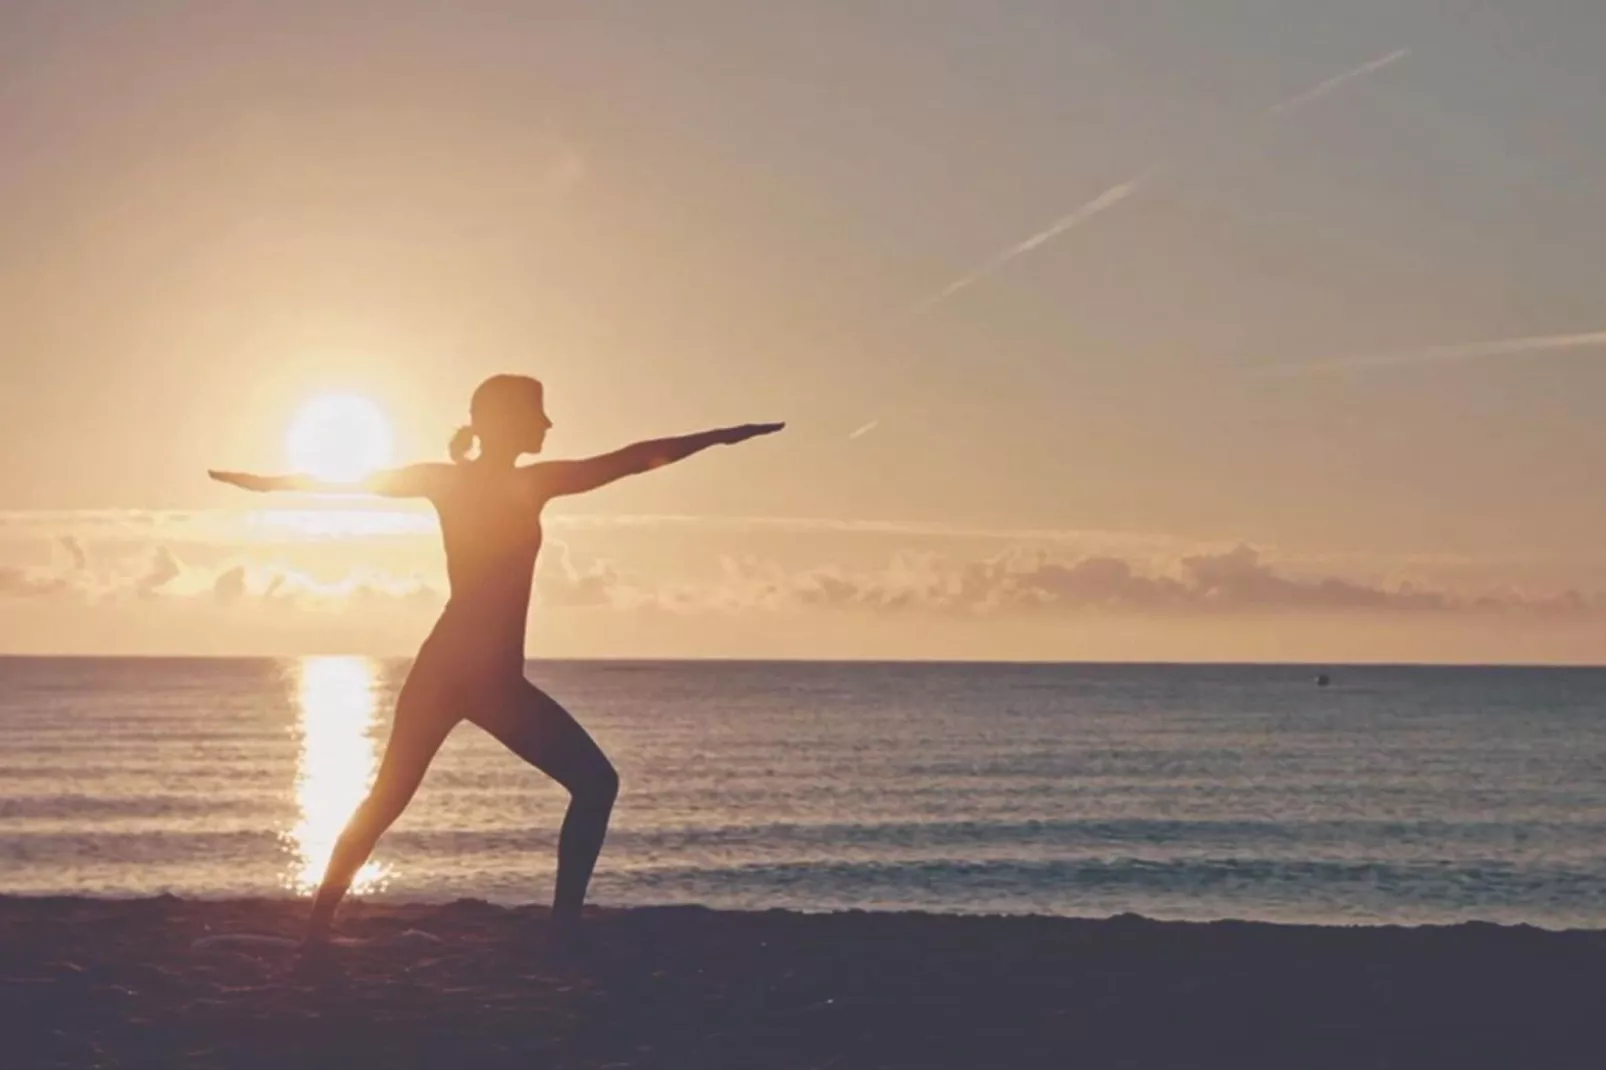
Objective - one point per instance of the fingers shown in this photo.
(236, 479)
(747, 431)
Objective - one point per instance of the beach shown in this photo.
(134, 983)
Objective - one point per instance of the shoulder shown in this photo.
(541, 479)
(433, 473)
(540, 473)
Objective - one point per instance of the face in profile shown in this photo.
(537, 424)
(533, 425)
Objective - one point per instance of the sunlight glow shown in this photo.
(320, 524)
(340, 438)
(337, 762)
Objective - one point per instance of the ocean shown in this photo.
(1395, 795)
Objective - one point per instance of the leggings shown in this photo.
(530, 724)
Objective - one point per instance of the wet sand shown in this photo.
(108, 983)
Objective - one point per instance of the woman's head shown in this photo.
(507, 416)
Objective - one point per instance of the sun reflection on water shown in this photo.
(338, 709)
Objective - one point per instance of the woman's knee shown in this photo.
(599, 786)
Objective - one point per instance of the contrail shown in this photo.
(1074, 218)
(1504, 347)
(1315, 93)
(1123, 190)
(866, 429)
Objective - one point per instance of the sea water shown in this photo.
(1403, 795)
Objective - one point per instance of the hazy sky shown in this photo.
(691, 213)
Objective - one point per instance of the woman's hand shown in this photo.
(243, 480)
(731, 435)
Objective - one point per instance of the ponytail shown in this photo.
(463, 441)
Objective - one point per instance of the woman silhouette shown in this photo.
(472, 665)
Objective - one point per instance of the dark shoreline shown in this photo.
(113, 983)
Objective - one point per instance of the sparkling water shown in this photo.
(1393, 795)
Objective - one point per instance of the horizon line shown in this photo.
(866, 661)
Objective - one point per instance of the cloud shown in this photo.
(354, 589)
(21, 582)
(229, 585)
(864, 429)
(164, 569)
(1029, 581)
(30, 583)
(76, 554)
(560, 584)
(231, 530)
(1239, 579)
(960, 574)
(1012, 582)
(162, 574)
(1035, 583)
(320, 522)
(77, 523)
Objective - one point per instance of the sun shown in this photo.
(339, 438)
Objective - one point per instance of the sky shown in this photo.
(1147, 331)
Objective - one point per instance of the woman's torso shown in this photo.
(491, 527)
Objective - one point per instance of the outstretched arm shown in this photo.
(414, 481)
(577, 477)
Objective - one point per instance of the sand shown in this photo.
(123, 983)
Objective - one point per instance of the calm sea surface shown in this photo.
(1396, 794)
